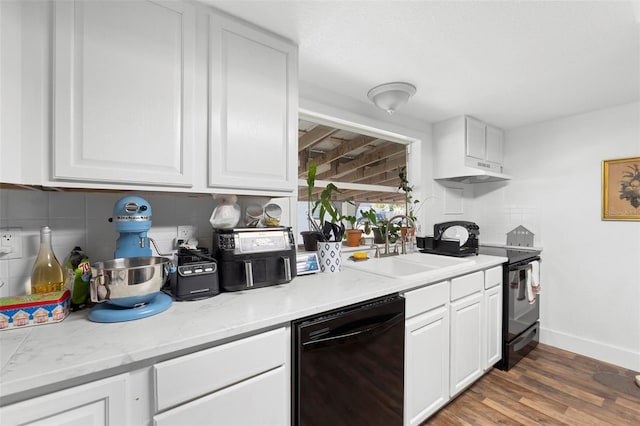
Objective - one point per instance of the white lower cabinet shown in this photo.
(255, 401)
(100, 403)
(467, 325)
(426, 352)
(453, 335)
(243, 382)
(493, 317)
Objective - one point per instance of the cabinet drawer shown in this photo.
(467, 284)
(191, 376)
(493, 277)
(261, 400)
(426, 298)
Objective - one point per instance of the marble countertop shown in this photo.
(77, 350)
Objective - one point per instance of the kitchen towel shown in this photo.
(533, 281)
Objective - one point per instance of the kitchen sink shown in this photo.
(408, 265)
(393, 267)
(435, 260)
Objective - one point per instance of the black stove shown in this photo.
(520, 317)
(515, 255)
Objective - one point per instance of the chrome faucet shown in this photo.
(403, 243)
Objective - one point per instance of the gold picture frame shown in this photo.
(621, 189)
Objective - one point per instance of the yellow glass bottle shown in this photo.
(47, 273)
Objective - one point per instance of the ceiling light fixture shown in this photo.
(390, 96)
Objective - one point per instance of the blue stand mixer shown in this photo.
(130, 284)
(132, 219)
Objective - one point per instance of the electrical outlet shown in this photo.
(10, 243)
(185, 233)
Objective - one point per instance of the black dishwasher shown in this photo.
(348, 365)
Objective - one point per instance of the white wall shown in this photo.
(590, 301)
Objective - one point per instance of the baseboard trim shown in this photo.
(613, 355)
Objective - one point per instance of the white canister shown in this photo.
(227, 214)
(330, 256)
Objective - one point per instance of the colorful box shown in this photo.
(33, 309)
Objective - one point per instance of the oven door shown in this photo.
(520, 314)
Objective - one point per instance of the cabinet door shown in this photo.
(493, 338)
(10, 96)
(426, 365)
(98, 403)
(494, 145)
(475, 139)
(466, 341)
(253, 137)
(261, 400)
(123, 92)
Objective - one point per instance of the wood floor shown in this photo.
(549, 387)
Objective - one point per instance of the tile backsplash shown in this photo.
(81, 219)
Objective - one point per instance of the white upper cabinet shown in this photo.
(253, 108)
(476, 140)
(24, 91)
(123, 92)
(493, 143)
(483, 143)
(467, 150)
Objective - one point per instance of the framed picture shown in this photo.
(621, 189)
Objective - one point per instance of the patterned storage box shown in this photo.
(33, 309)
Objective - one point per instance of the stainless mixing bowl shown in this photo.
(128, 282)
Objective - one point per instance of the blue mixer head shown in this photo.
(132, 219)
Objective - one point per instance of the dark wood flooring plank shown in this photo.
(549, 387)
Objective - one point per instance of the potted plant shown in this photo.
(332, 227)
(381, 230)
(369, 217)
(353, 235)
(409, 203)
(330, 246)
(311, 237)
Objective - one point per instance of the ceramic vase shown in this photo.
(330, 256)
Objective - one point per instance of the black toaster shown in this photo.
(196, 276)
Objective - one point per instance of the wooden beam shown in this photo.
(341, 150)
(376, 155)
(314, 136)
(372, 197)
(388, 165)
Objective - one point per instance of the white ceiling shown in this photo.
(507, 63)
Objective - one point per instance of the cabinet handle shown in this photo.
(524, 340)
(287, 268)
(248, 272)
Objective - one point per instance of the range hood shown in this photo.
(470, 175)
(468, 151)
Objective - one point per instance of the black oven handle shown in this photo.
(523, 264)
(524, 340)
